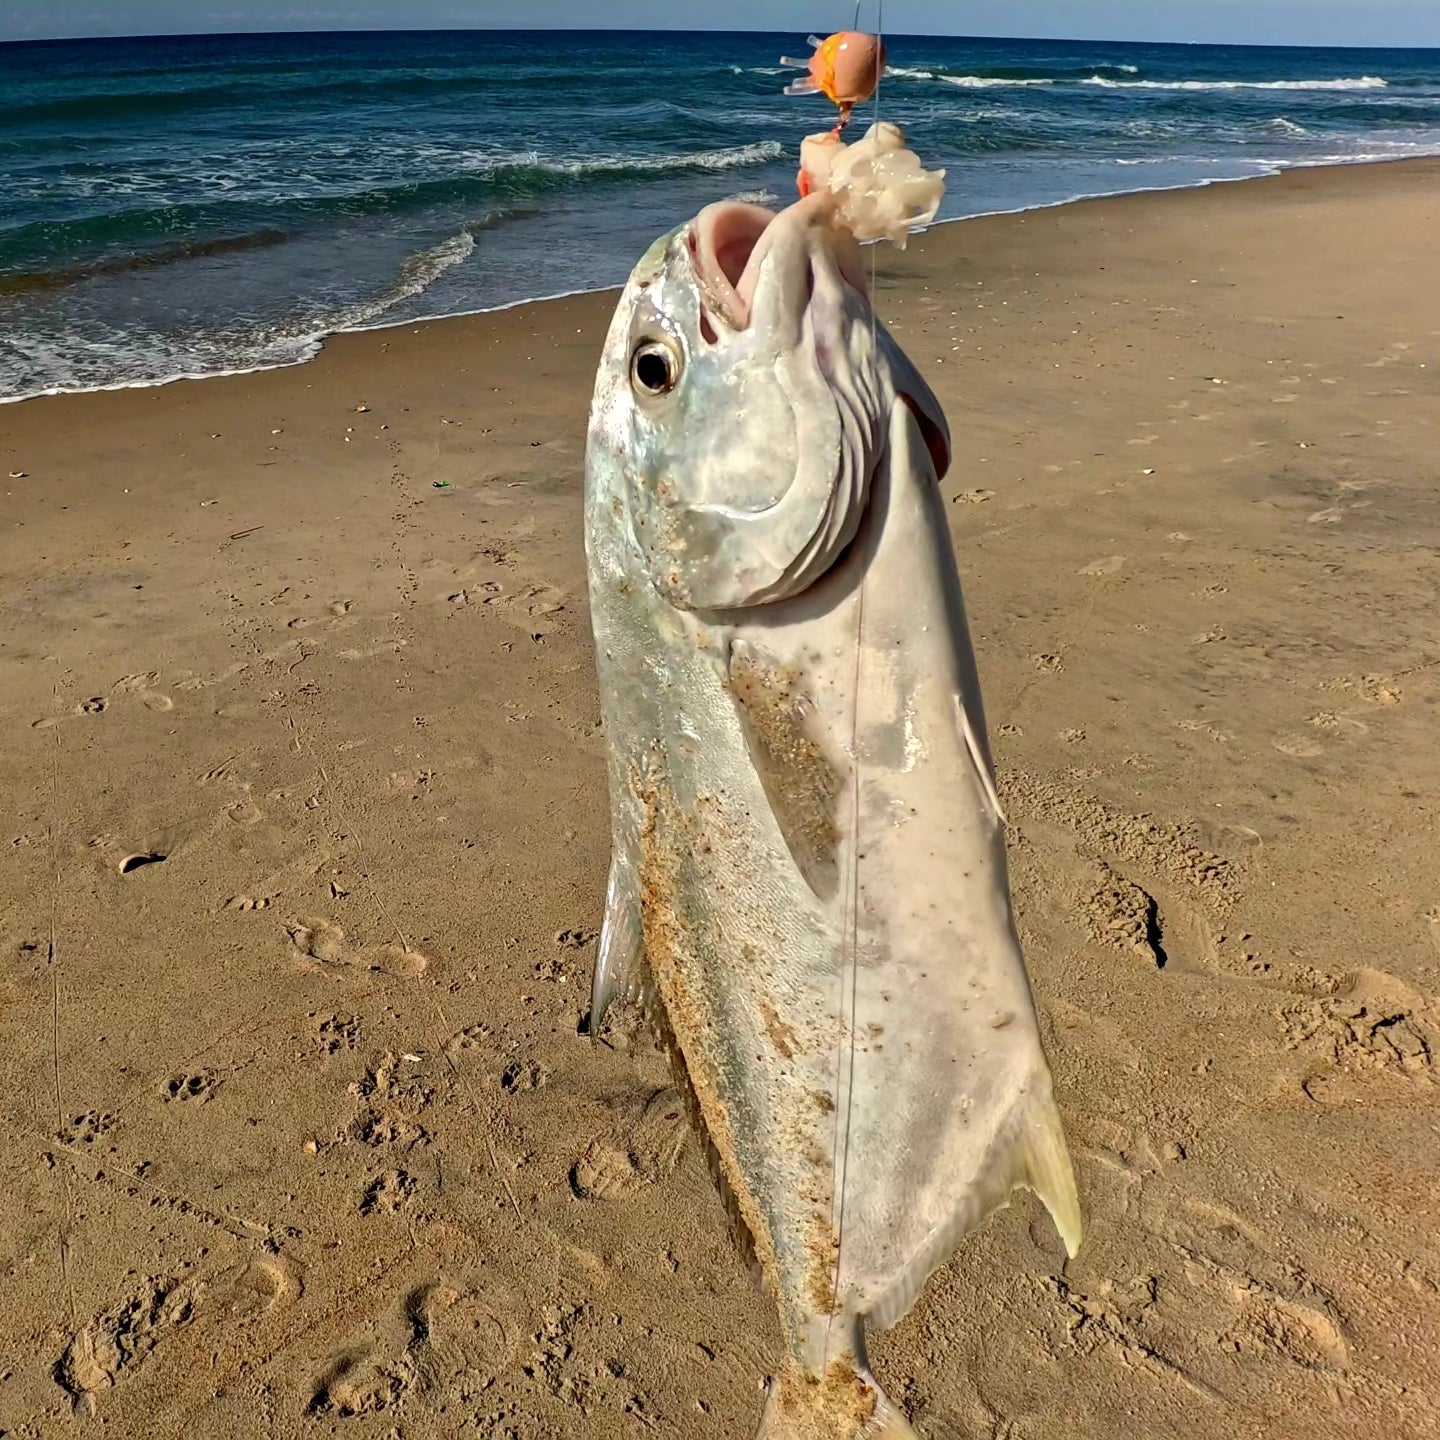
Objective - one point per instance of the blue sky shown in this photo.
(1275, 22)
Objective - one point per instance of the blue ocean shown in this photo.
(195, 206)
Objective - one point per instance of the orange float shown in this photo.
(845, 68)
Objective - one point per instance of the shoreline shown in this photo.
(316, 345)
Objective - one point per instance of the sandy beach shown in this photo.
(307, 841)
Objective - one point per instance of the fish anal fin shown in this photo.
(659, 1025)
(620, 972)
(799, 779)
(1030, 1153)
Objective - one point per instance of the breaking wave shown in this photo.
(1364, 82)
(114, 358)
(1119, 77)
(145, 232)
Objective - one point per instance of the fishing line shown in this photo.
(850, 947)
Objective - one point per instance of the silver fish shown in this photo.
(809, 874)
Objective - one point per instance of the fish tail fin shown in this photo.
(887, 1423)
(847, 1405)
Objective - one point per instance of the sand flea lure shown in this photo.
(845, 69)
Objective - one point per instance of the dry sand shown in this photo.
(299, 1134)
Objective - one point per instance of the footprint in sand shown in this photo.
(363, 1382)
(334, 1033)
(467, 1341)
(154, 700)
(642, 1148)
(86, 1129)
(523, 1075)
(1382, 689)
(1302, 747)
(95, 705)
(388, 1193)
(248, 902)
(244, 812)
(1276, 1310)
(447, 1341)
(397, 960)
(1289, 1329)
(473, 1037)
(321, 940)
(386, 1129)
(255, 1288)
(324, 941)
(192, 1087)
(1374, 1023)
(107, 1350)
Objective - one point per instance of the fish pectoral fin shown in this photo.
(797, 772)
(927, 412)
(980, 757)
(620, 971)
(1031, 1155)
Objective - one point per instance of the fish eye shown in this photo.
(654, 368)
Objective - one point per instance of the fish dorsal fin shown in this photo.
(1030, 1155)
(1048, 1173)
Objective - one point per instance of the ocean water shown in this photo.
(194, 206)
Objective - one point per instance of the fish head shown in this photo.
(743, 403)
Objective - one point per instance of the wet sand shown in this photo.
(307, 841)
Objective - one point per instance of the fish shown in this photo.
(808, 883)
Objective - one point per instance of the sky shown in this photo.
(1255, 22)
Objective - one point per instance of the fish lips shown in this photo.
(738, 251)
(755, 269)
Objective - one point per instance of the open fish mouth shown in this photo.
(729, 243)
(726, 251)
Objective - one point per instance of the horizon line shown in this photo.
(678, 30)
